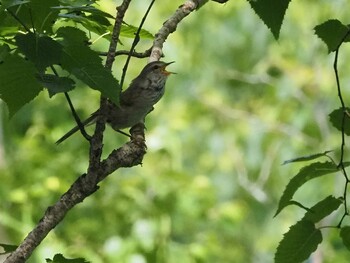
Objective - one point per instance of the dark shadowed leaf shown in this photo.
(322, 209)
(7, 248)
(307, 157)
(271, 12)
(85, 64)
(336, 118)
(332, 32)
(9, 3)
(345, 236)
(59, 258)
(306, 173)
(56, 84)
(43, 51)
(298, 243)
(18, 84)
(37, 14)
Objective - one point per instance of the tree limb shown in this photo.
(130, 154)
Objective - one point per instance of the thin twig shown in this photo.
(73, 111)
(134, 43)
(18, 20)
(342, 147)
(127, 52)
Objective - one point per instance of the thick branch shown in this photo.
(130, 154)
(169, 27)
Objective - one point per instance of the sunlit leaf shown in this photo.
(130, 31)
(307, 157)
(332, 32)
(298, 243)
(271, 12)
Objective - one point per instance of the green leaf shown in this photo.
(322, 209)
(59, 258)
(43, 51)
(84, 9)
(271, 12)
(332, 32)
(7, 248)
(336, 118)
(298, 243)
(345, 236)
(306, 173)
(18, 84)
(307, 157)
(77, 2)
(56, 84)
(85, 64)
(130, 31)
(37, 14)
(4, 51)
(9, 3)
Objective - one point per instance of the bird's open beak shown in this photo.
(168, 72)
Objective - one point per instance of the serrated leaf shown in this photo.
(59, 258)
(43, 51)
(306, 157)
(18, 84)
(7, 248)
(298, 243)
(306, 173)
(336, 118)
(345, 236)
(56, 84)
(332, 32)
(271, 12)
(85, 64)
(322, 209)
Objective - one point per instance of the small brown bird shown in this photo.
(136, 101)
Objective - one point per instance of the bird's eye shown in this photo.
(156, 67)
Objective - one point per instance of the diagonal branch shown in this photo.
(129, 155)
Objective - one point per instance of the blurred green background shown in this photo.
(240, 105)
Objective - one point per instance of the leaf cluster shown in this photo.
(44, 45)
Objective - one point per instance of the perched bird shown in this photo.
(136, 101)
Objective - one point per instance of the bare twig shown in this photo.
(134, 43)
(169, 27)
(127, 53)
(345, 115)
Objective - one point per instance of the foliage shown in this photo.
(208, 172)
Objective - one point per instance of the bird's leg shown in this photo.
(124, 133)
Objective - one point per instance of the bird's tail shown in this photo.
(88, 121)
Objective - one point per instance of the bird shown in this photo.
(135, 102)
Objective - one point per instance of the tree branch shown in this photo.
(169, 27)
(130, 154)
